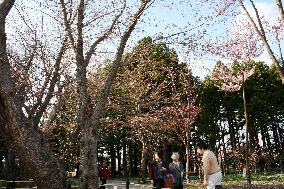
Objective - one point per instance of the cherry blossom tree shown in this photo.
(231, 82)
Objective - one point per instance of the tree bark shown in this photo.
(124, 161)
(280, 7)
(118, 159)
(112, 160)
(187, 165)
(136, 155)
(232, 132)
(143, 163)
(29, 144)
(130, 159)
(89, 117)
(247, 147)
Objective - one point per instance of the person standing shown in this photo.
(104, 174)
(158, 170)
(212, 171)
(176, 169)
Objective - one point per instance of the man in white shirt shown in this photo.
(212, 171)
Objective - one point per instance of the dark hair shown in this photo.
(202, 145)
(159, 154)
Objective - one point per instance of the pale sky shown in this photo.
(165, 18)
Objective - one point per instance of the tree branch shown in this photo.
(48, 125)
(53, 81)
(117, 62)
(67, 24)
(280, 6)
(104, 36)
(262, 35)
(258, 20)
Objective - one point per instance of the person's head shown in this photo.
(157, 156)
(175, 156)
(201, 147)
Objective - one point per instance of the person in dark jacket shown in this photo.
(176, 169)
(158, 169)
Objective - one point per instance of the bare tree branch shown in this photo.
(104, 36)
(48, 125)
(262, 35)
(117, 61)
(67, 24)
(280, 49)
(80, 25)
(53, 81)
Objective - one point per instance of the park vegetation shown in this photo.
(61, 110)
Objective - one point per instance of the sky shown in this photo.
(181, 15)
(163, 19)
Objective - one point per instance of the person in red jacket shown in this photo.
(104, 174)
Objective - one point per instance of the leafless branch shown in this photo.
(117, 61)
(67, 23)
(104, 36)
(261, 33)
(54, 79)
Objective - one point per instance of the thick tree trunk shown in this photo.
(88, 158)
(29, 144)
(32, 149)
(89, 117)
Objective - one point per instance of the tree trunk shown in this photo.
(90, 127)
(275, 136)
(124, 161)
(32, 149)
(232, 133)
(262, 132)
(29, 144)
(280, 7)
(112, 161)
(224, 170)
(88, 158)
(118, 159)
(136, 155)
(247, 147)
(143, 163)
(187, 167)
(130, 159)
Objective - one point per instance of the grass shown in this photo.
(259, 180)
